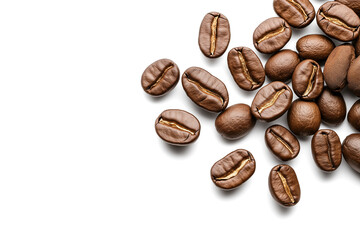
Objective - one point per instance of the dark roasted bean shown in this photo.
(315, 46)
(351, 151)
(354, 115)
(281, 65)
(332, 106)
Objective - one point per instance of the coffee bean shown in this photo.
(326, 150)
(357, 46)
(214, 35)
(235, 122)
(332, 106)
(298, 13)
(284, 185)
(177, 127)
(315, 46)
(353, 77)
(281, 65)
(246, 68)
(271, 101)
(304, 118)
(308, 80)
(354, 115)
(205, 90)
(338, 21)
(271, 35)
(233, 170)
(353, 4)
(282, 143)
(351, 151)
(337, 66)
(160, 77)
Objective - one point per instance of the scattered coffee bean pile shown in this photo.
(338, 19)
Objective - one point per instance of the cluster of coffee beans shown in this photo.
(316, 103)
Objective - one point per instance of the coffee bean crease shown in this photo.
(338, 22)
(326, 136)
(300, 8)
(161, 77)
(286, 186)
(272, 34)
(214, 25)
(245, 68)
(282, 141)
(311, 81)
(176, 125)
(235, 171)
(271, 101)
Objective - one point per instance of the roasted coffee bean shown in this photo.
(298, 13)
(233, 170)
(315, 46)
(353, 4)
(271, 35)
(308, 80)
(177, 127)
(281, 65)
(353, 77)
(338, 21)
(214, 35)
(304, 118)
(357, 46)
(271, 101)
(160, 77)
(205, 90)
(337, 66)
(354, 115)
(326, 150)
(284, 185)
(351, 151)
(282, 143)
(235, 122)
(246, 68)
(332, 107)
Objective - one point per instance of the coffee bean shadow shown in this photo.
(160, 98)
(350, 170)
(297, 33)
(328, 175)
(198, 111)
(231, 193)
(281, 209)
(178, 150)
(210, 61)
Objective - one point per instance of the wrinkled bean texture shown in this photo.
(281, 65)
(235, 122)
(353, 4)
(284, 185)
(304, 118)
(354, 115)
(246, 68)
(326, 150)
(338, 21)
(205, 90)
(332, 106)
(315, 46)
(233, 170)
(357, 46)
(282, 143)
(177, 127)
(337, 66)
(214, 35)
(160, 77)
(353, 77)
(351, 151)
(271, 101)
(308, 80)
(271, 35)
(298, 13)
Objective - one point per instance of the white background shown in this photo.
(79, 156)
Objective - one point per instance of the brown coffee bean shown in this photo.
(353, 77)
(338, 21)
(354, 115)
(281, 65)
(315, 46)
(235, 122)
(332, 106)
(214, 35)
(304, 118)
(160, 77)
(298, 13)
(326, 150)
(205, 90)
(282, 143)
(308, 80)
(284, 185)
(337, 66)
(177, 127)
(353, 4)
(271, 101)
(351, 151)
(233, 170)
(271, 35)
(357, 46)
(246, 68)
